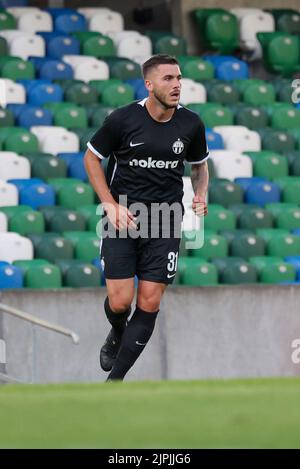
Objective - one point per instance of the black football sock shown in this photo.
(117, 320)
(135, 338)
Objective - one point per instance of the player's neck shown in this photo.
(157, 112)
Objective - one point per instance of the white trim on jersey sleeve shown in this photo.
(198, 162)
(90, 147)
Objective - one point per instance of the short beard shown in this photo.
(163, 103)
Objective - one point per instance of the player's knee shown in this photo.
(119, 304)
(149, 303)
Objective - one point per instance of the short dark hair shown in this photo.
(158, 59)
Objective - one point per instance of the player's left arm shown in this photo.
(200, 179)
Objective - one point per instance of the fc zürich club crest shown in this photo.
(178, 146)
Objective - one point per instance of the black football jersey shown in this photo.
(147, 157)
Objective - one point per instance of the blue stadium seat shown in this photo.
(75, 165)
(232, 70)
(16, 109)
(262, 193)
(70, 22)
(34, 192)
(97, 263)
(45, 93)
(214, 140)
(246, 182)
(138, 84)
(52, 69)
(296, 231)
(10, 277)
(29, 84)
(54, 12)
(62, 45)
(34, 115)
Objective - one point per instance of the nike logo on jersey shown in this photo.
(136, 144)
(150, 163)
(170, 276)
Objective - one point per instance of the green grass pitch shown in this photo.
(260, 413)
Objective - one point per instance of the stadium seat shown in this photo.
(56, 139)
(214, 140)
(268, 164)
(225, 193)
(239, 138)
(222, 93)
(69, 22)
(34, 115)
(60, 220)
(44, 93)
(87, 68)
(11, 92)
(92, 214)
(213, 114)
(23, 220)
(283, 245)
(214, 246)
(86, 244)
(273, 270)
(122, 68)
(262, 193)
(196, 68)
(22, 44)
(77, 273)
(280, 51)
(247, 245)
(40, 273)
(81, 94)
(290, 189)
(107, 22)
(198, 273)
(137, 48)
(70, 117)
(231, 164)
(252, 117)
(287, 20)
(252, 22)
(47, 166)
(54, 69)
(74, 195)
(14, 247)
(35, 21)
(287, 216)
(115, 95)
(15, 68)
(259, 94)
(3, 220)
(8, 194)
(235, 270)
(219, 218)
(58, 46)
(35, 194)
(10, 277)
(13, 166)
(218, 28)
(277, 141)
(52, 246)
(192, 92)
(7, 20)
(165, 42)
(254, 218)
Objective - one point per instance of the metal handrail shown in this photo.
(40, 322)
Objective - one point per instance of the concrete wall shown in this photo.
(212, 332)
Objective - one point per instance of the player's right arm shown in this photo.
(118, 215)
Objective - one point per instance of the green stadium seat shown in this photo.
(283, 245)
(214, 246)
(287, 20)
(259, 94)
(86, 244)
(222, 93)
(47, 166)
(284, 89)
(18, 140)
(3, 46)
(235, 270)
(71, 117)
(23, 220)
(213, 114)
(246, 246)
(92, 214)
(290, 189)
(252, 117)
(277, 140)
(85, 136)
(6, 117)
(269, 233)
(60, 219)
(255, 218)
(117, 95)
(100, 85)
(287, 216)
(123, 69)
(98, 115)
(269, 164)
(74, 195)
(67, 82)
(219, 218)
(225, 193)
(238, 209)
(199, 273)
(52, 247)
(273, 269)
(281, 52)
(218, 28)
(83, 36)
(284, 116)
(78, 274)
(81, 94)
(98, 46)
(39, 273)
(230, 235)
(15, 68)
(7, 20)
(196, 68)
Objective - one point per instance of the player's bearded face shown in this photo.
(166, 85)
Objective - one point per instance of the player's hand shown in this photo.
(120, 217)
(199, 206)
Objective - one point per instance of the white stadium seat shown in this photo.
(192, 92)
(11, 92)
(239, 138)
(35, 21)
(3, 220)
(14, 247)
(23, 44)
(231, 164)
(56, 139)
(107, 22)
(89, 12)
(249, 25)
(8, 194)
(135, 47)
(14, 167)
(87, 68)
(17, 12)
